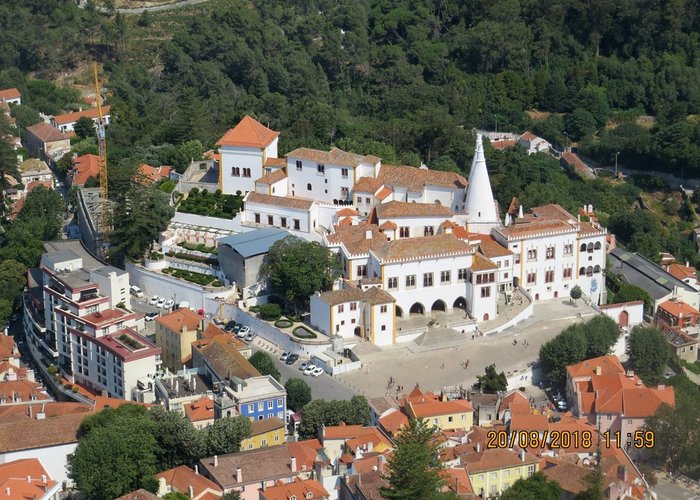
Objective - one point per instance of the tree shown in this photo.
(175, 495)
(226, 434)
(320, 412)
(648, 353)
(575, 293)
(295, 269)
(12, 280)
(179, 443)
(632, 293)
(579, 123)
(231, 495)
(298, 393)
(535, 487)
(84, 127)
(492, 382)
(567, 348)
(414, 466)
(265, 364)
(601, 334)
(143, 215)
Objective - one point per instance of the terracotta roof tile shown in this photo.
(202, 409)
(528, 136)
(393, 421)
(24, 479)
(299, 488)
(46, 133)
(8, 348)
(147, 174)
(435, 408)
(494, 459)
(384, 193)
(609, 365)
(180, 319)
(571, 477)
(375, 295)
(369, 435)
(226, 361)
(388, 225)
(248, 133)
(182, 478)
(481, 263)
(457, 480)
(367, 185)
(272, 177)
(342, 431)
(91, 113)
(491, 248)
(516, 401)
(280, 201)
(527, 422)
(258, 427)
(682, 272)
(335, 297)
(270, 463)
(503, 144)
(354, 238)
(678, 308)
(422, 247)
(306, 453)
(334, 157)
(23, 389)
(345, 221)
(29, 434)
(275, 162)
(139, 494)
(84, 167)
(347, 212)
(403, 209)
(415, 179)
(7, 94)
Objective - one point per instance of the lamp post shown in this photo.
(616, 154)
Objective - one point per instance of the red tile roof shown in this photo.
(527, 422)
(30, 434)
(367, 185)
(393, 421)
(494, 459)
(347, 212)
(8, 94)
(298, 489)
(306, 453)
(491, 248)
(503, 144)
(46, 133)
(682, 272)
(342, 431)
(8, 348)
(528, 136)
(678, 308)
(609, 365)
(24, 390)
(415, 179)
(180, 319)
(84, 167)
(91, 113)
(435, 408)
(24, 479)
(369, 435)
(182, 478)
(457, 480)
(202, 409)
(280, 201)
(516, 402)
(404, 209)
(248, 133)
(272, 177)
(384, 193)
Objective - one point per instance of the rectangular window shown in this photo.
(321, 168)
(568, 249)
(283, 221)
(260, 406)
(462, 274)
(368, 201)
(485, 292)
(246, 172)
(298, 164)
(341, 308)
(404, 232)
(235, 171)
(382, 309)
(269, 405)
(428, 231)
(445, 277)
(410, 281)
(567, 272)
(479, 279)
(393, 283)
(427, 279)
(344, 173)
(270, 220)
(353, 306)
(531, 278)
(361, 270)
(296, 224)
(550, 253)
(531, 254)
(516, 259)
(549, 276)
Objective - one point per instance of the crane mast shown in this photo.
(104, 216)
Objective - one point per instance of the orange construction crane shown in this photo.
(104, 217)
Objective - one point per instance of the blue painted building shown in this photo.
(257, 398)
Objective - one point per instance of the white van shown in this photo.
(183, 305)
(136, 291)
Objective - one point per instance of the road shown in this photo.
(322, 387)
(156, 8)
(667, 490)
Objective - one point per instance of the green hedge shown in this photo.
(270, 312)
(200, 247)
(302, 332)
(194, 258)
(198, 278)
(283, 323)
(205, 203)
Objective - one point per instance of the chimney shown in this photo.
(29, 479)
(522, 455)
(196, 469)
(293, 465)
(7, 491)
(661, 387)
(239, 475)
(598, 370)
(622, 473)
(478, 447)
(368, 234)
(43, 478)
(190, 491)
(216, 460)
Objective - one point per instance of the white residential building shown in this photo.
(553, 252)
(11, 96)
(244, 150)
(66, 123)
(96, 341)
(399, 219)
(298, 214)
(533, 143)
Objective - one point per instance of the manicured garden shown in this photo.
(194, 258)
(301, 332)
(193, 277)
(200, 247)
(224, 206)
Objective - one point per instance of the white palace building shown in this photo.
(412, 241)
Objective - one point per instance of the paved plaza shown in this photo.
(437, 359)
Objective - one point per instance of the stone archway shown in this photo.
(438, 306)
(417, 309)
(624, 319)
(486, 316)
(460, 303)
(399, 312)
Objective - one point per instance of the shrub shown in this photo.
(302, 332)
(52, 369)
(194, 191)
(283, 323)
(294, 318)
(255, 309)
(217, 283)
(270, 312)
(155, 256)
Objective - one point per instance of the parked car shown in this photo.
(303, 366)
(183, 305)
(136, 291)
(242, 332)
(309, 368)
(317, 371)
(168, 304)
(154, 300)
(284, 356)
(291, 359)
(160, 302)
(151, 316)
(249, 337)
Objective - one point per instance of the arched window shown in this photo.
(590, 247)
(597, 245)
(583, 247)
(582, 271)
(596, 269)
(589, 271)
(308, 187)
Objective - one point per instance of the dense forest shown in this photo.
(408, 79)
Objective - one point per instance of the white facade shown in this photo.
(53, 458)
(278, 215)
(480, 204)
(113, 283)
(240, 166)
(533, 144)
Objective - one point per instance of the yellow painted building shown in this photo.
(492, 471)
(443, 414)
(266, 432)
(175, 333)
